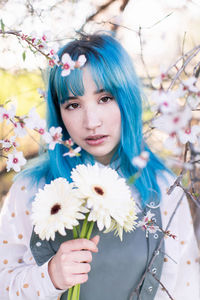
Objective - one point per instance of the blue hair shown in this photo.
(111, 69)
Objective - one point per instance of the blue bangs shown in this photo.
(72, 83)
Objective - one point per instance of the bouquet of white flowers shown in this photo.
(96, 195)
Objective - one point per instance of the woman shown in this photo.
(99, 106)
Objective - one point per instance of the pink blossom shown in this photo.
(53, 58)
(141, 160)
(172, 145)
(73, 152)
(19, 129)
(69, 142)
(7, 114)
(52, 52)
(51, 63)
(158, 80)
(148, 224)
(188, 86)
(189, 134)
(24, 36)
(172, 123)
(67, 64)
(81, 61)
(166, 102)
(15, 161)
(33, 120)
(7, 144)
(53, 137)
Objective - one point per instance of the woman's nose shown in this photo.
(92, 119)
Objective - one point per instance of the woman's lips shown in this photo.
(96, 139)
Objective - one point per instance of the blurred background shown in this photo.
(155, 33)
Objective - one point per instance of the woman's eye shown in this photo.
(72, 106)
(106, 99)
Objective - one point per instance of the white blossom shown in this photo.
(173, 122)
(193, 101)
(189, 134)
(7, 114)
(15, 161)
(67, 64)
(72, 152)
(166, 102)
(141, 160)
(53, 137)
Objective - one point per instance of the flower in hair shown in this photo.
(68, 64)
(81, 61)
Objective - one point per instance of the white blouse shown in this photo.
(21, 278)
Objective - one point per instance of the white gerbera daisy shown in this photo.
(56, 208)
(107, 196)
(129, 223)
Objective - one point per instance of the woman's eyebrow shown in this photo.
(75, 97)
(99, 91)
(71, 98)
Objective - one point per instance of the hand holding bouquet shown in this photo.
(96, 195)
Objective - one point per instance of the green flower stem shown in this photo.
(79, 288)
(86, 231)
(75, 232)
(76, 292)
(84, 227)
(69, 295)
(89, 232)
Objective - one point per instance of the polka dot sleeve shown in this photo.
(20, 277)
(181, 269)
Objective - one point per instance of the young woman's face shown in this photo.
(93, 120)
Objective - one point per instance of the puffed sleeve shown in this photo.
(20, 277)
(181, 269)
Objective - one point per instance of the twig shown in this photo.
(17, 34)
(142, 56)
(189, 195)
(99, 10)
(162, 286)
(183, 67)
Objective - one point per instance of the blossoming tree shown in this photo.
(174, 113)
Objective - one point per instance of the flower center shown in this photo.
(99, 190)
(41, 131)
(165, 103)
(176, 120)
(5, 116)
(56, 137)
(66, 66)
(15, 160)
(188, 131)
(55, 209)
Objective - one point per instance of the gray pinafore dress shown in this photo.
(117, 270)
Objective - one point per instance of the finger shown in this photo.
(80, 256)
(95, 239)
(77, 279)
(78, 244)
(79, 268)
